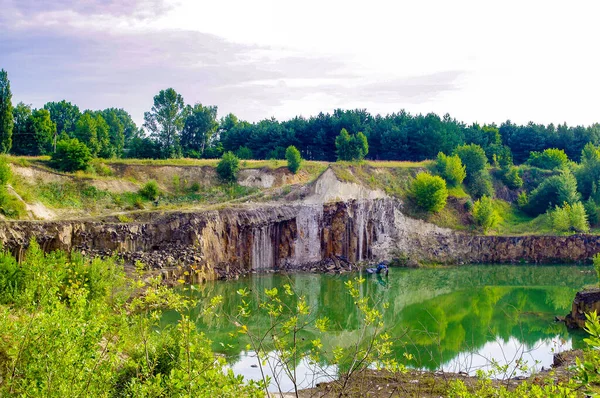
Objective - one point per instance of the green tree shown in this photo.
(511, 178)
(71, 155)
(485, 214)
(553, 191)
(569, 218)
(244, 152)
(228, 167)
(40, 131)
(105, 149)
(86, 131)
(22, 139)
(549, 159)
(429, 192)
(451, 169)
(588, 171)
(480, 184)
(65, 115)
(166, 120)
(473, 157)
(6, 113)
(200, 127)
(294, 159)
(351, 147)
(116, 131)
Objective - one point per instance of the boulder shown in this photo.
(585, 301)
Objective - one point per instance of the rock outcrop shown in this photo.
(286, 236)
(332, 220)
(585, 302)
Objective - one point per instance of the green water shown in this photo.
(456, 318)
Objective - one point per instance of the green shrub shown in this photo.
(150, 191)
(195, 187)
(451, 169)
(511, 178)
(71, 155)
(480, 184)
(485, 214)
(473, 157)
(549, 159)
(294, 160)
(469, 205)
(228, 167)
(569, 218)
(429, 192)
(553, 191)
(244, 152)
(522, 200)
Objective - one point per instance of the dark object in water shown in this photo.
(381, 268)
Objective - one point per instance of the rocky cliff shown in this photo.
(334, 219)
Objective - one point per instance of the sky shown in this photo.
(480, 61)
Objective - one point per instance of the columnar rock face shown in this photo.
(273, 236)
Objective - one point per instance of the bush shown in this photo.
(451, 169)
(485, 214)
(294, 160)
(71, 155)
(244, 152)
(553, 191)
(429, 192)
(480, 184)
(522, 200)
(228, 167)
(195, 187)
(549, 159)
(150, 191)
(468, 205)
(473, 157)
(569, 218)
(511, 178)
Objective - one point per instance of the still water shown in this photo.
(450, 318)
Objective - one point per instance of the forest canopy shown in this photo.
(173, 128)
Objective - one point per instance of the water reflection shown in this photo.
(455, 319)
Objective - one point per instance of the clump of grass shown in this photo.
(124, 219)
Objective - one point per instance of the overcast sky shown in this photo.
(519, 60)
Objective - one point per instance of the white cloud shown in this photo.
(480, 61)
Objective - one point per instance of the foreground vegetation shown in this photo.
(72, 326)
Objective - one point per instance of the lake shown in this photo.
(458, 319)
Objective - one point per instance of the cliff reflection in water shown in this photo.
(441, 314)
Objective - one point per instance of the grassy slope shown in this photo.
(76, 194)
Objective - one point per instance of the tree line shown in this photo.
(172, 129)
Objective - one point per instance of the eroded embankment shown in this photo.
(275, 236)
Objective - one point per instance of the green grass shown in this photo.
(458, 192)
(515, 222)
(399, 164)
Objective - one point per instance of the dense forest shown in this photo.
(173, 128)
